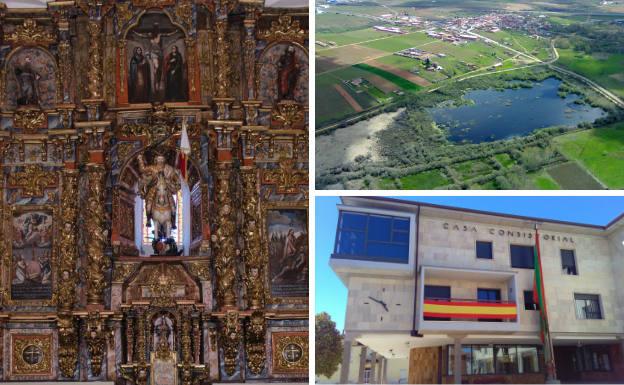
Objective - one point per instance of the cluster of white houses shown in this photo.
(448, 292)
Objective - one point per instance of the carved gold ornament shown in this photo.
(159, 124)
(290, 352)
(161, 286)
(287, 178)
(29, 33)
(230, 341)
(222, 57)
(30, 120)
(253, 251)
(96, 341)
(200, 269)
(33, 180)
(124, 14)
(223, 241)
(285, 28)
(255, 348)
(288, 114)
(123, 271)
(32, 354)
(96, 235)
(68, 345)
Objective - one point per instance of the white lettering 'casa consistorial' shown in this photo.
(508, 233)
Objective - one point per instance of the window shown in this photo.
(528, 359)
(592, 359)
(529, 304)
(466, 359)
(373, 237)
(568, 262)
(506, 359)
(522, 256)
(496, 359)
(484, 250)
(482, 359)
(587, 306)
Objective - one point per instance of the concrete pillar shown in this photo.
(363, 353)
(384, 375)
(373, 370)
(379, 369)
(457, 367)
(346, 361)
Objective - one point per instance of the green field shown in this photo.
(600, 150)
(350, 37)
(605, 69)
(330, 105)
(399, 81)
(571, 176)
(539, 48)
(505, 160)
(400, 42)
(472, 169)
(542, 181)
(426, 180)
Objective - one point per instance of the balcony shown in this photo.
(470, 300)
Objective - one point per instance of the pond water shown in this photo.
(503, 114)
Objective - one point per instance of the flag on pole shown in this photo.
(185, 150)
(540, 299)
(538, 288)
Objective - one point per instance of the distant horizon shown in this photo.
(331, 294)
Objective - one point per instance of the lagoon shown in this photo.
(495, 115)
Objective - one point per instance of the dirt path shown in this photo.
(355, 105)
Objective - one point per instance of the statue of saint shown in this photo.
(158, 185)
(288, 70)
(28, 84)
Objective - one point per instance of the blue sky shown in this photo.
(331, 295)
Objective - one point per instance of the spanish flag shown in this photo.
(185, 150)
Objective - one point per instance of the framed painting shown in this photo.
(31, 260)
(288, 259)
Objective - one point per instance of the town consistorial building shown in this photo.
(450, 292)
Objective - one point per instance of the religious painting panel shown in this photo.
(31, 273)
(30, 79)
(283, 74)
(287, 234)
(289, 352)
(31, 356)
(156, 61)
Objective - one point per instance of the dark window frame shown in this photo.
(569, 268)
(535, 306)
(491, 243)
(366, 241)
(596, 312)
(530, 265)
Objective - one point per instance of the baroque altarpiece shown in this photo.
(154, 192)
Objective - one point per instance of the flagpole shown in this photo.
(551, 370)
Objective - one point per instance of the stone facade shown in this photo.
(445, 249)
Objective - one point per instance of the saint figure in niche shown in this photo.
(139, 88)
(288, 72)
(163, 332)
(27, 84)
(174, 70)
